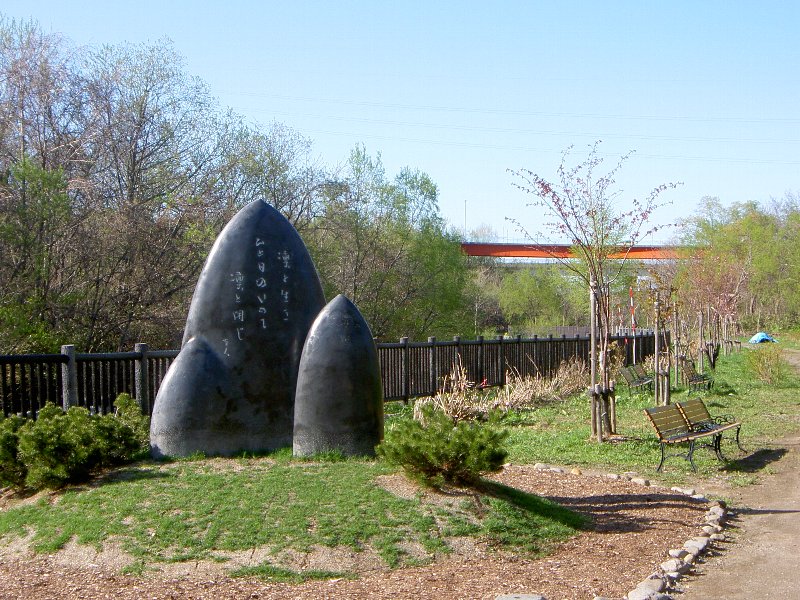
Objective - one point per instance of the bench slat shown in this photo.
(667, 421)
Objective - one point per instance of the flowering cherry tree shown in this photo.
(584, 207)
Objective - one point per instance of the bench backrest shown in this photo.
(687, 367)
(627, 375)
(667, 421)
(638, 370)
(694, 411)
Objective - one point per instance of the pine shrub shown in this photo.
(125, 434)
(128, 411)
(12, 469)
(59, 447)
(438, 450)
(67, 447)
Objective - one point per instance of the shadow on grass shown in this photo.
(128, 474)
(721, 389)
(712, 403)
(531, 503)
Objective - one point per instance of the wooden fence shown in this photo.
(408, 369)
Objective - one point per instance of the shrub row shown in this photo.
(66, 447)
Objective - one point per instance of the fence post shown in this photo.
(69, 377)
(142, 378)
(521, 357)
(480, 374)
(501, 360)
(404, 369)
(432, 366)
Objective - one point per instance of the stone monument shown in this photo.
(232, 386)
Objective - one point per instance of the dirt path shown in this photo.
(763, 560)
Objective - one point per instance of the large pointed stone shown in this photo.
(255, 300)
(339, 400)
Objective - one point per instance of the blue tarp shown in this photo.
(761, 337)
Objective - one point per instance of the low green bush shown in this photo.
(58, 447)
(438, 450)
(129, 413)
(66, 447)
(123, 435)
(12, 469)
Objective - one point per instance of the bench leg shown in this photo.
(718, 446)
(663, 456)
(690, 456)
(737, 440)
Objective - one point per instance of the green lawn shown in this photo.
(558, 433)
(202, 509)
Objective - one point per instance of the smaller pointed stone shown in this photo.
(339, 399)
(198, 385)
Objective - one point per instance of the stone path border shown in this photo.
(658, 585)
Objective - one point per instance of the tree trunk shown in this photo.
(597, 424)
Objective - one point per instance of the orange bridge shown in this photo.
(561, 251)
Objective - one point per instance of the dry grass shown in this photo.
(521, 392)
(462, 400)
(767, 363)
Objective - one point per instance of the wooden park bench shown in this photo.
(696, 415)
(693, 379)
(673, 429)
(636, 378)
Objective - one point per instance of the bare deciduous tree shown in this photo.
(583, 206)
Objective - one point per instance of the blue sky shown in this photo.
(705, 93)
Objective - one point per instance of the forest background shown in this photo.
(118, 169)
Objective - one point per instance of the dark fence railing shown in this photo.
(408, 369)
(582, 330)
(28, 381)
(94, 381)
(413, 369)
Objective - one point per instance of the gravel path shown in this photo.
(764, 559)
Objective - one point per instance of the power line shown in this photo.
(546, 150)
(456, 109)
(529, 131)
